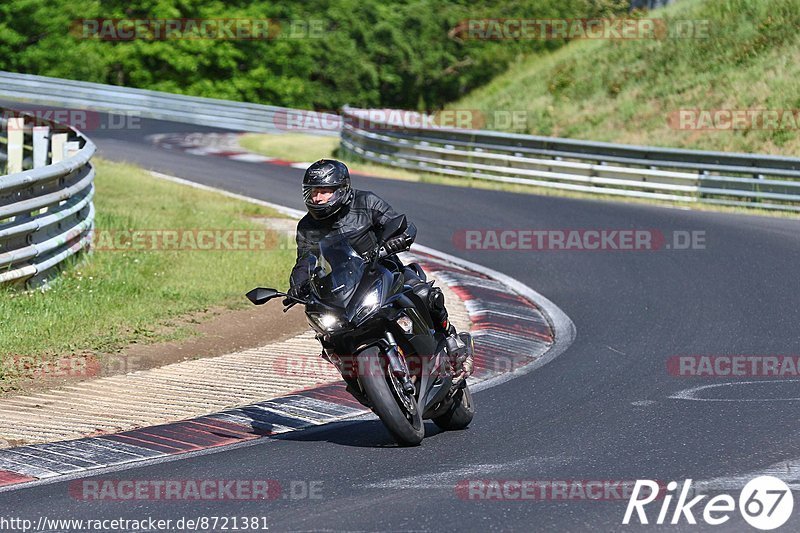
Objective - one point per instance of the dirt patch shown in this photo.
(223, 332)
(217, 331)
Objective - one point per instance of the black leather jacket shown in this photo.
(365, 210)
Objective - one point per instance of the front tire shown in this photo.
(460, 413)
(397, 410)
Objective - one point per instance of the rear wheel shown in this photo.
(397, 410)
(460, 413)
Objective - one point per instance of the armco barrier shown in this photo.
(225, 114)
(766, 182)
(46, 212)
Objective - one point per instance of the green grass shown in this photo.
(112, 298)
(625, 91)
(291, 146)
(305, 147)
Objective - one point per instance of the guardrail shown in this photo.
(46, 209)
(766, 182)
(225, 114)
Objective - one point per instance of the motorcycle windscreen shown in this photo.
(341, 270)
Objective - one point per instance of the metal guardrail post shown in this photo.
(41, 135)
(15, 137)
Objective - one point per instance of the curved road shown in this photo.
(600, 411)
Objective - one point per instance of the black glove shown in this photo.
(396, 244)
(299, 291)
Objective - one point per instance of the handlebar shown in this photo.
(381, 252)
(294, 301)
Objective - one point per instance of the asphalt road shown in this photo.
(600, 411)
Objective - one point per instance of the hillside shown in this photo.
(634, 91)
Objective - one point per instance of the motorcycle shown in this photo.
(377, 331)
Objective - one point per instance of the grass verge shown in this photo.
(309, 148)
(110, 299)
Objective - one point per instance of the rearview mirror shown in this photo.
(394, 227)
(260, 296)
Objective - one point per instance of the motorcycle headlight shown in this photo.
(369, 304)
(325, 321)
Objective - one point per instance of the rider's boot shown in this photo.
(461, 353)
(459, 346)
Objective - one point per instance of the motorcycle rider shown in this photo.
(335, 207)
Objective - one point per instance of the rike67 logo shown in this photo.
(765, 503)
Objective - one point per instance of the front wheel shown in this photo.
(460, 413)
(397, 410)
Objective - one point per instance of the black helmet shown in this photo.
(332, 174)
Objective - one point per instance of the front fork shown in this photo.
(398, 365)
(397, 362)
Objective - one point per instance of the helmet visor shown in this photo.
(310, 194)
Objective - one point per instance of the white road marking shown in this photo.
(691, 394)
(449, 478)
(251, 158)
(787, 471)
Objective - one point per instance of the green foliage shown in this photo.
(403, 53)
